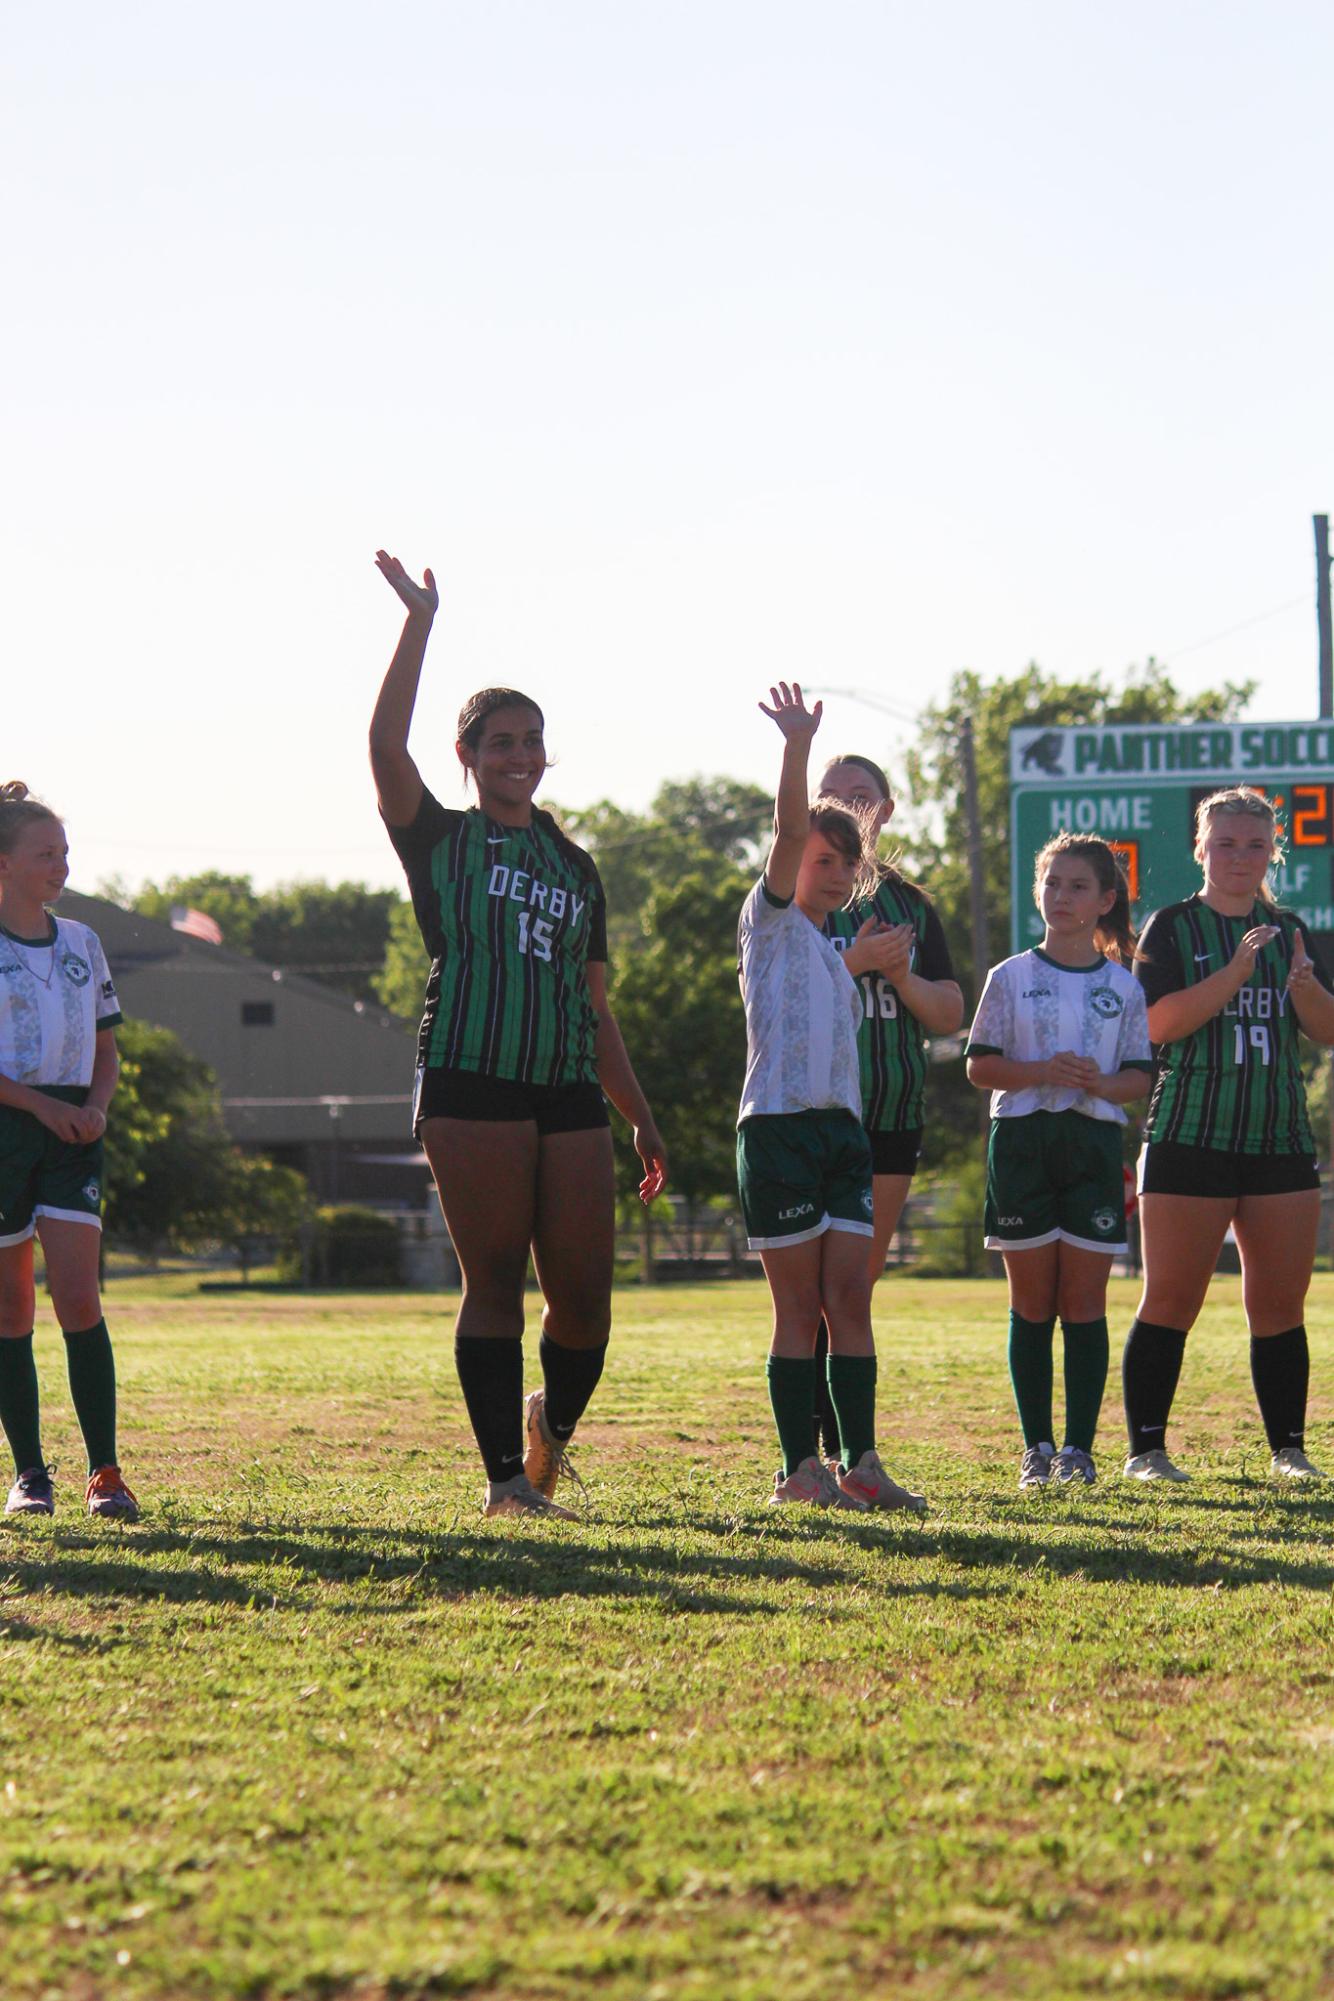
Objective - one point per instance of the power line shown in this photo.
(1260, 617)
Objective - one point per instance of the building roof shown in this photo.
(291, 1054)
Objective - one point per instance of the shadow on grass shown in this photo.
(260, 1569)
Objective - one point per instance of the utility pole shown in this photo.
(1320, 522)
(977, 892)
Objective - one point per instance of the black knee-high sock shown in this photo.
(570, 1376)
(1150, 1371)
(826, 1440)
(92, 1386)
(18, 1402)
(1281, 1372)
(491, 1376)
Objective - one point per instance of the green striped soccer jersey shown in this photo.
(891, 1046)
(1235, 1085)
(511, 916)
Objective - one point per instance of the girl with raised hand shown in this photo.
(58, 1069)
(517, 1047)
(803, 1158)
(1060, 1041)
(909, 992)
(1230, 980)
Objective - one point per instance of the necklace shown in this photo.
(12, 945)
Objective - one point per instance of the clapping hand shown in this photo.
(1250, 948)
(423, 599)
(1301, 973)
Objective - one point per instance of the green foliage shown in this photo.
(698, 824)
(678, 1006)
(230, 900)
(400, 985)
(263, 1205)
(350, 1247)
(173, 1178)
(167, 1184)
(316, 1729)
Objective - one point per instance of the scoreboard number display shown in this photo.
(1137, 787)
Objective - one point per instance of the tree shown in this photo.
(173, 1179)
(336, 932)
(678, 1005)
(262, 1204)
(230, 900)
(401, 982)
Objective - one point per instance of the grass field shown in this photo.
(314, 1727)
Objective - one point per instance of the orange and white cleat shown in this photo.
(108, 1496)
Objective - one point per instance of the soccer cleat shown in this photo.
(32, 1493)
(520, 1497)
(869, 1483)
(1073, 1464)
(545, 1457)
(1035, 1466)
(814, 1485)
(1291, 1463)
(108, 1496)
(1153, 1465)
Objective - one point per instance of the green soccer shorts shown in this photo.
(41, 1175)
(1055, 1177)
(802, 1173)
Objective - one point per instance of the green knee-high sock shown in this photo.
(852, 1393)
(1030, 1372)
(18, 1402)
(1085, 1378)
(92, 1386)
(792, 1392)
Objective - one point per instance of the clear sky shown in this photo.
(693, 344)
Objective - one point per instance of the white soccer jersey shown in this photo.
(1032, 1009)
(53, 1000)
(803, 1010)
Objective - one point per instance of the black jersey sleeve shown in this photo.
(936, 962)
(1158, 966)
(597, 919)
(430, 823)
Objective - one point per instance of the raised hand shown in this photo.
(1244, 958)
(1301, 972)
(789, 711)
(423, 599)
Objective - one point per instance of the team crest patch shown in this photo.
(1104, 1221)
(868, 1205)
(1106, 1003)
(76, 971)
(92, 1192)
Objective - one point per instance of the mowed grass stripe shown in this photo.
(314, 1727)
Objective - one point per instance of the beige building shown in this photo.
(309, 1076)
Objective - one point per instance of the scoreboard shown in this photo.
(1137, 786)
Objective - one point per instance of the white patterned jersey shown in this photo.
(1032, 1009)
(803, 1011)
(54, 997)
